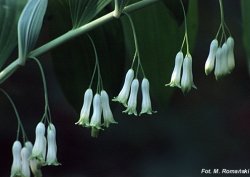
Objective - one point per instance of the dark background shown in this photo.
(207, 128)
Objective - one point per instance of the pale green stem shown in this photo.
(20, 125)
(9, 70)
(186, 30)
(46, 109)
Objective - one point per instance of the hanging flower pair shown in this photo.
(182, 76)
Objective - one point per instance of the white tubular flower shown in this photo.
(84, 115)
(146, 101)
(224, 57)
(218, 63)
(16, 168)
(221, 65)
(187, 75)
(34, 166)
(39, 148)
(25, 153)
(132, 102)
(231, 60)
(124, 93)
(176, 75)
(97, 112)
(107, 113)
(51, 158)
(209, 65)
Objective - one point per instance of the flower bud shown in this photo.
(209, 65)
(16, 168)
(132, 102)
(84, 115)
(51, 158)
(25, 154)
(124, 93)
(176, 75)
(231, 60)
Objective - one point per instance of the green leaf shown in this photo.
(9, 13)
(245, 4)
(29, 26)
(82, 11)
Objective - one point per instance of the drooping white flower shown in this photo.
(231, 60)
(84, 115)
(209, 65)
(106, 111)
(97, 112)
(124, 93)
(218, 63)
(51, 158)
(187, 75)
(224, 58)
(34, 165)
(132, 102)
(176, 75)
(39, 148)
(25, 154)
(146, 101)
(16, 168)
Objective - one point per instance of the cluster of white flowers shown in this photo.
(129, 92)
(100, 107)
(182, 75)
(220, 58)
(31, 157)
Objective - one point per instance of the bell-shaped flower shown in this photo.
(176, 75)
(84, 115)
(39, 148)
(209, 65)
(231, 60)
(16, 168)
(29, 26)
(51, 158)
(124, 93)
(146, 101)
(187, 75)
(25, 154)
(132, 102)
(106, 111)
(97, 112)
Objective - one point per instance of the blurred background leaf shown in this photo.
(83, 11)
(10, 11)
(245, 6)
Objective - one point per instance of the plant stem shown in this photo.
(11, 68)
